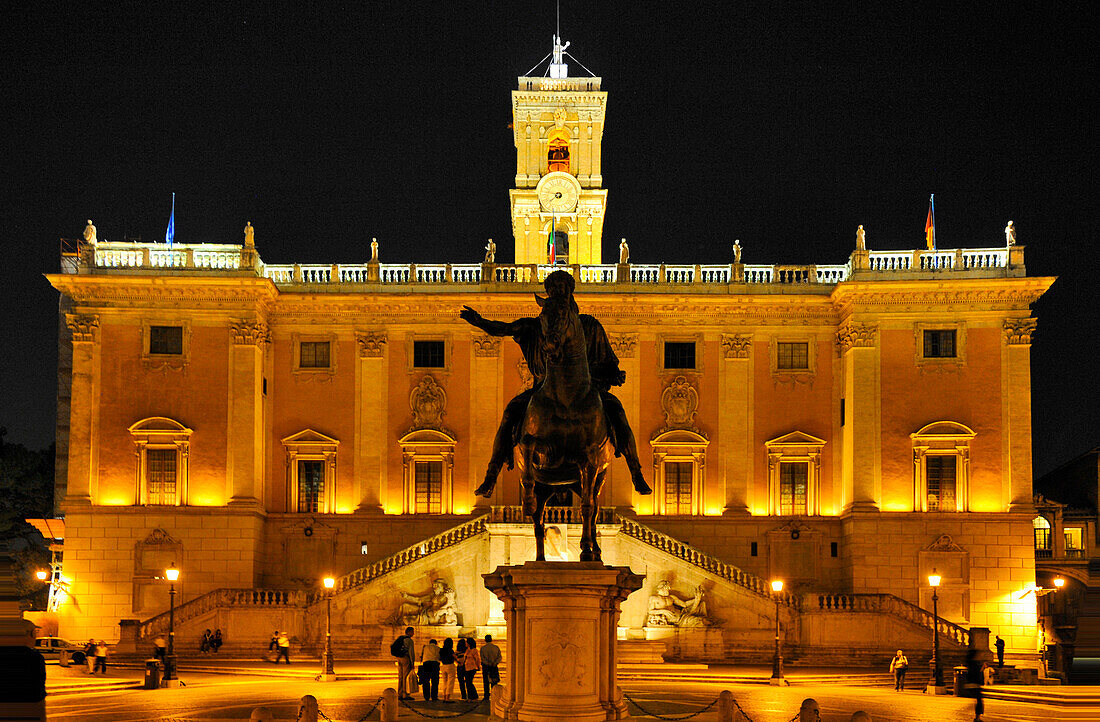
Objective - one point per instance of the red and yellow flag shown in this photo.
(930, 226)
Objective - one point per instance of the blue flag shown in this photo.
(170, 234)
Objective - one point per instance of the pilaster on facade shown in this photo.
(371, 419)
(83, 463)
(861, 453)
(735, 422)
(1016, 410)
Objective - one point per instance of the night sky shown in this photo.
(785, 125)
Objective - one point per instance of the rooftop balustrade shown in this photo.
(136, 256)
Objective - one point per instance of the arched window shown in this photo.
(163, 447)
(941, 467)
(1043, 548)
(557, 151)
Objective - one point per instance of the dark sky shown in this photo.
(784, 124)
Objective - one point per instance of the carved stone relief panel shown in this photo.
(428, 401)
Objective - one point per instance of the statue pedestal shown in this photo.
(562, 623)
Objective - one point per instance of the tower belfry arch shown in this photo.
(557, 123)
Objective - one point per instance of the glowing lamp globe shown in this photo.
(777, 585)
(171, 573)
(1059, 582)
(329, 582)
(933, 579)
(41, 574)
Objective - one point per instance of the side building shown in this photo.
(848, 428)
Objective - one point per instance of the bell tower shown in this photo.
(557, 126)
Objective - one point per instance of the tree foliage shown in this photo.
(26, 492)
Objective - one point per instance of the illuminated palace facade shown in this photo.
(848, 428)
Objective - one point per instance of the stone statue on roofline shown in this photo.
(490, 252)
(89, 232)
(624, 253)
(861, 239)
(249, 235)
(1010, 234)
(374, 250)
(737, 251)
(666, 609)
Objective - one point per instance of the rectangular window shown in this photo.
(842, 412)
(834, 549)
(429, 354)
(311, 486)
(678, 487)
(1042, 543)
(753, 549)
(679, 354)
(160, 476)
(794, 355)
(1074, 541)
(166, 340)
(939, 343)
(792, 488)
(314, 355)
(428, 487)
(941, 483)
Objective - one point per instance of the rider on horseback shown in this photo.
(603, 368)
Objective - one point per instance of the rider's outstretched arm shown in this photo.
(493, 328)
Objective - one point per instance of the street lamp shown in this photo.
(1059, 582)
(936, 685)
(777, 661)
(170, 680)
(327, 673)
(41, 574)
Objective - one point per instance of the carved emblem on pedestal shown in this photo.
(371, 345)
(944, 544)
(1018, 331)
(486, 346)
(856, 335)
(428, 402)
(84, 327)
(624, 344)
(736, 345)
(248, 333)
(564, 651)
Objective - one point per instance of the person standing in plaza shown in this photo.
(101, 657)
(1000, 645)
(472, 663)
(405, 664)
(898, 665)
(490, 665)
(460, 663)
(447, 668)
(282, 646)
(90, 652)
(429, 670)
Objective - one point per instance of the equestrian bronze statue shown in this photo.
(567, 427)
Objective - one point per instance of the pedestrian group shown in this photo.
(453, 661)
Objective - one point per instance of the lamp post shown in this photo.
(170, 680)
(327, 673)
(936, 685)
(777, 661)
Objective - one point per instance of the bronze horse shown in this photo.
(564, 441)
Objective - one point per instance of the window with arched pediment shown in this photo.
(941, 467)
(427, 457)
(162, 447)
(310, 472)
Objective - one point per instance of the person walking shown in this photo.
(490, 665)
(460, 664)
(216, 641)
(90, 652)
(160, 648)
(898, 665)
(447, 668)
(429, 670)
(1000, 645)
(472, 663)
(282, 647)
(101, 657)
(405, 664)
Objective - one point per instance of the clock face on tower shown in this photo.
(558, 192)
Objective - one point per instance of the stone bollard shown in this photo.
(388, 705)
(725, 706)
(860, 716)
(261, 714)
(307, 709)
(809, 711)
